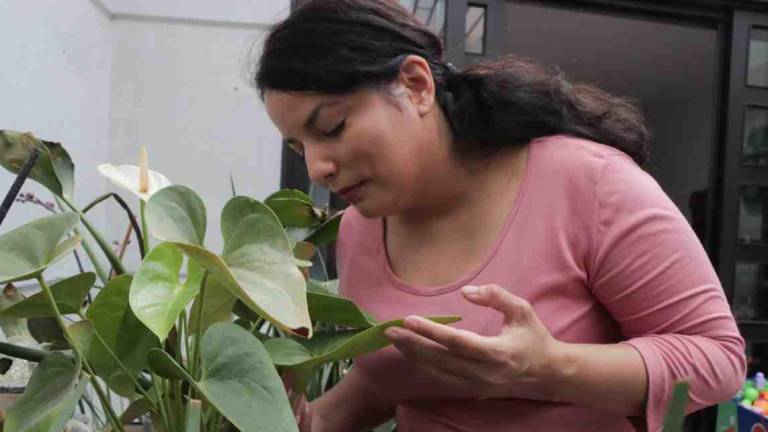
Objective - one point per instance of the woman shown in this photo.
(507, 196)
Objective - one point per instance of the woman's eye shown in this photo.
(337, 130)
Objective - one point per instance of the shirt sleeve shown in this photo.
(653, 276)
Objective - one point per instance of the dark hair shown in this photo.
(340, 46)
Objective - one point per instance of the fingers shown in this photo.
(461, 342)
(429, 355)
(513, 307)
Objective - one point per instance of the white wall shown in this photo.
(106, 77)
(180, 90)
(56, 83)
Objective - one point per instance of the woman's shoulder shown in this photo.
(566, 151)
(573, 166)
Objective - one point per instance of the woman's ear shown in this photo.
(416, 77)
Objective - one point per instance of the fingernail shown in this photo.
(470, 290)
(411, 321)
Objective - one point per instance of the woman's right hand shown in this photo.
(299, 404)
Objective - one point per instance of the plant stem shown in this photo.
(29, 354)
(185, 331)
(131, 216)
(199, 330)
(88, 248)
(156, 383)
(144, 230)
(105, 247)
(105, 402)
(122, 366)
(10, 197)
(172, 415)
(59, 318)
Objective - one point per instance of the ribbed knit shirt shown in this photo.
(603, 256)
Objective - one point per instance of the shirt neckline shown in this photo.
(425, 290)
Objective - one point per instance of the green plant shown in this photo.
(209, 367)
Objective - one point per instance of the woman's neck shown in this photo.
(471, 197)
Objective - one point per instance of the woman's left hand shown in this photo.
(515, 363)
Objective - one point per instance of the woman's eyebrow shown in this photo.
(312, 117)
(316, 111)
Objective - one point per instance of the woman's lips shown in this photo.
(352, 194)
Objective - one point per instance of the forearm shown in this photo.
(349, 407)
(611, 377)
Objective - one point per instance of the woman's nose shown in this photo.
(320, 165)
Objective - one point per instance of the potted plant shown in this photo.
(195, 339)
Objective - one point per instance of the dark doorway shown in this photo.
(670, 68)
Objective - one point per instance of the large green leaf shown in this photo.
(12, 326)
(304, 356)
(239, 379)
(161, 363)
(47, 330)
(69, 294)
(111, 316)
(136, 409)
(157, 296)
(54, 168)
(50, 397)
(178, 214)
(675, 417)
(217, 306)
(326, 232)
(329, 308)
(292, 194)
(28, 250)
(294, 213)
(257, 265)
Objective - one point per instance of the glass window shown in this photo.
(475, 30)
(750, 295)
(430, 12)
(757, 358)
(755, 147)
(753, 214)
(757, 71)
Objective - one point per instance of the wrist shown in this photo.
(558, 369)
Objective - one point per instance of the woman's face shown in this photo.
(386, 140)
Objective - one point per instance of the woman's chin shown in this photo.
(369, 210)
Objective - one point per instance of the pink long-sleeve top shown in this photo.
(602, 255)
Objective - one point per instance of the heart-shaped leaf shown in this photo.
(217, 306)
(328, 308)
(178, 214)
(69, 294)
(240, 381)
(157, 296)
(111, 316)
(11, 326)
(675, 417)
(257, 265)
(136, 409)
(161, 363)
(54, 168)
(304, 356)
(28, 250)
(326, 232)
(47, 330)
(294, 213)
(292, 194)
(50, 397)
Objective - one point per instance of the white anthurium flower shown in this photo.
(138, 180)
